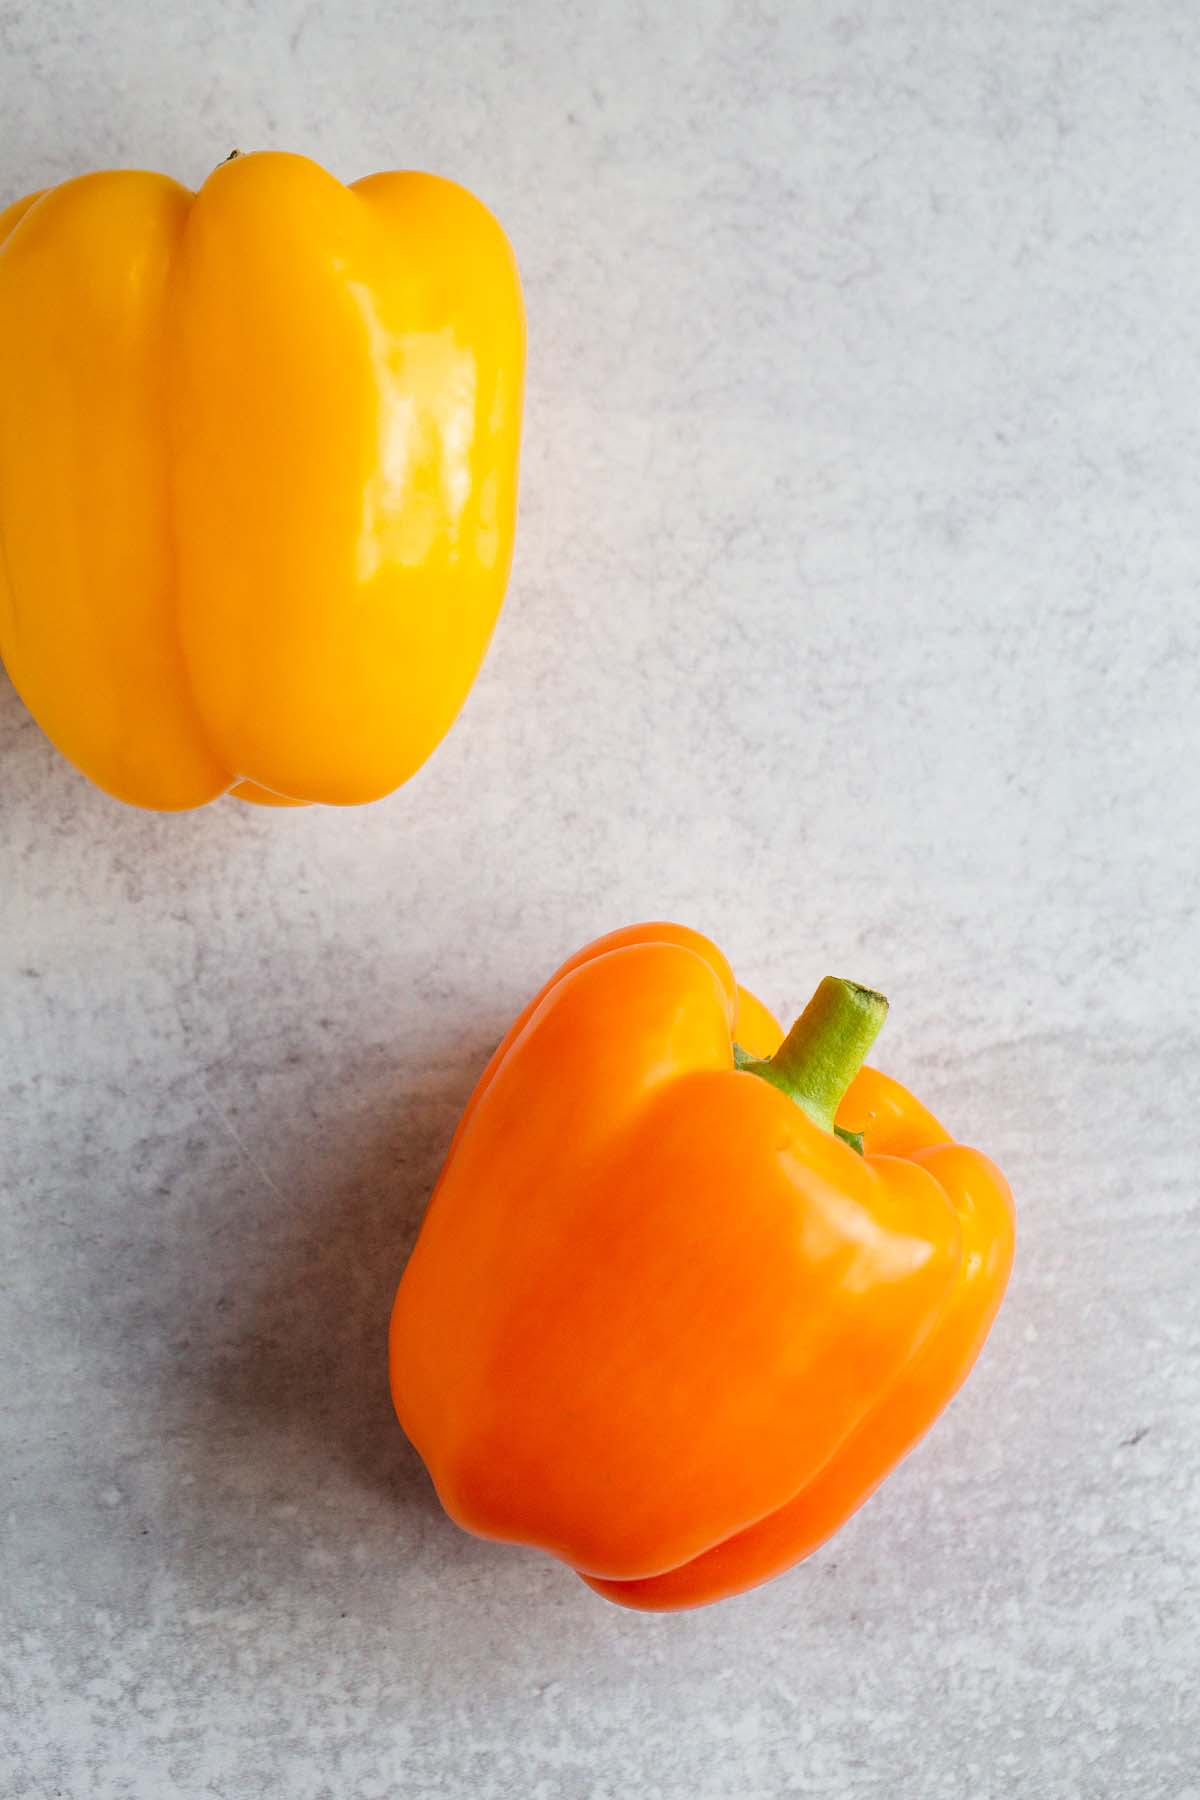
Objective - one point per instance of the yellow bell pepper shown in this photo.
(258, 471)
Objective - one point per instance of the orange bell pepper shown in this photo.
(665, 1319)
(258, 470)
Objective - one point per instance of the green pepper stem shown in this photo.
(825, 1049)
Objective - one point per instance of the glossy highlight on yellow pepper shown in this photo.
(258, 473)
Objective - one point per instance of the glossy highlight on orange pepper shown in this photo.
(258, 472)
(665, 1319)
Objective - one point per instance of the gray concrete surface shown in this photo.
(855, 621)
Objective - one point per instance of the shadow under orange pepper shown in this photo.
(684, 1294)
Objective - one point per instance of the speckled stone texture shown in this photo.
(854, 621)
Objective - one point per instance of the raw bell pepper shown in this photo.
(683, 1294)
(258, 471)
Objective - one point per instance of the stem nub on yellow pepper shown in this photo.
(258, 468)
(685, 1294)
